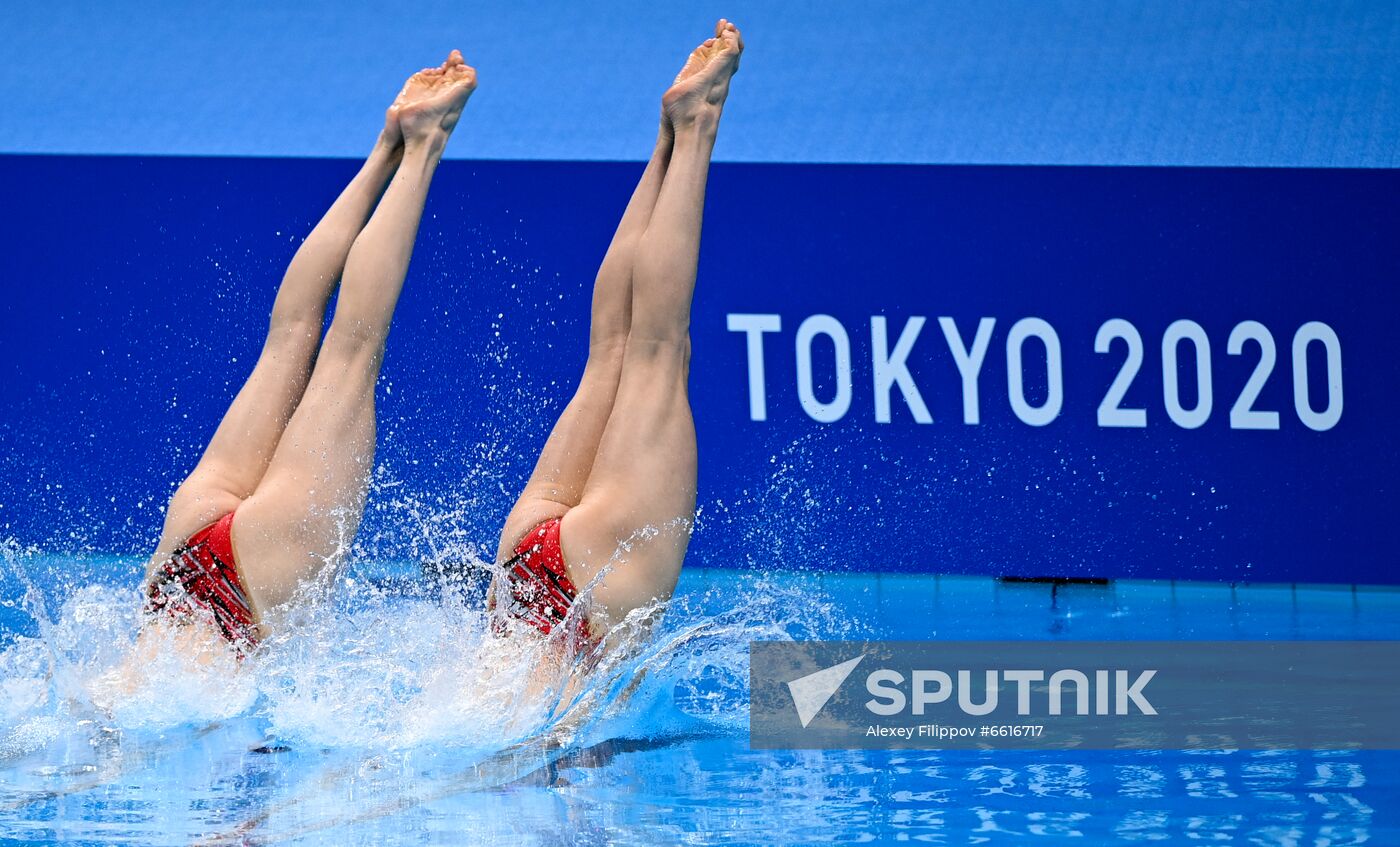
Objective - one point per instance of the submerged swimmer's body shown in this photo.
(278, 495)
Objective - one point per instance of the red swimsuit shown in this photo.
(541, 593)
(200, 580)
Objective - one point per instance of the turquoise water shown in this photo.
(391, 721)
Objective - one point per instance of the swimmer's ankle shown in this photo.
(388, 141)
(431, 142)
(703, 122)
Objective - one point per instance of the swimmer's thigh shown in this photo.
(303, 516)
(633, 524)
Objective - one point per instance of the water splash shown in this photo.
(382, 665)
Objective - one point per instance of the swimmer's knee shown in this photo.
(605, 354)
(295, 336)
(358, 342)
(605, 336)
(671, 349)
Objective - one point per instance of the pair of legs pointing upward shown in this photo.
(293, 454)
(618, 471)
(613, 493)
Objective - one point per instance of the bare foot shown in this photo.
(703, 83)
(431, 101)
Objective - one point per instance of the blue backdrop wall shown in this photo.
(1066, 288)
(1246, 314)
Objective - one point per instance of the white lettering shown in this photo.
(1054, 377)
(988, 705)
(969, 362)
(1328, 417)
(922, 696)
(1171, 393)
(890, 369)
(753, 327)
(1023, 680)
(1134, 692)
(884, 684)
(831, 328)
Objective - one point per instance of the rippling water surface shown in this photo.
(388, 714)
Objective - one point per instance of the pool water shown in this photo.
(384, 723)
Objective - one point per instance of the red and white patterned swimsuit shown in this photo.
(540, 592)
(200, 580)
